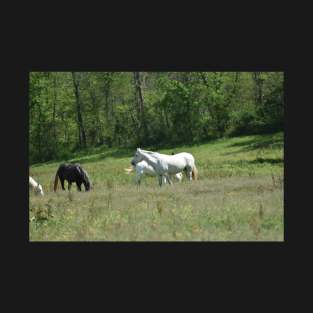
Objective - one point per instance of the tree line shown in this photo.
(69, 111)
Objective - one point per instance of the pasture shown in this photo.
(238, 197)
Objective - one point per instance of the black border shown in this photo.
(108, 61)
(255, 37)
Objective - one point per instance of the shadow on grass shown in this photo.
(274, 142)
(267, 160)
(260, 160)
(178, 147)
(91, 157)
(101, 153)
(43, 163)
(119, 153)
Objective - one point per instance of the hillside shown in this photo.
(239, 196)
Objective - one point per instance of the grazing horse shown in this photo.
(144, 168)
(164, 164)
(72, 173)
(35, 186)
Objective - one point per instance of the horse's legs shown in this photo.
(79, 186)
(186, 172)
(180, 178)
(138, 178)
(168, 179)
(164, 180)
(69, 185)
(85, 186)
(160, 177)
(189, 174)
(62, 183)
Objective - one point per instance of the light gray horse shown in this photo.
(165, 165)
(35, 186)
(143, 168)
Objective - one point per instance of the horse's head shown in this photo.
(39, 190)
(137, 158)
(88, 186)
(88, 183)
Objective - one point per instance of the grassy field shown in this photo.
(238, 197)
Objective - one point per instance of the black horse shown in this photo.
(72, 173)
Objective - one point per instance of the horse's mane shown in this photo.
(84, 173)
(149, 152)
(146, 151)
(86, 176)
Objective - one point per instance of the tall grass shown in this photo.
(238, 197)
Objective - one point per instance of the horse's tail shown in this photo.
(129, 170)
(194, 173)
(56, 180)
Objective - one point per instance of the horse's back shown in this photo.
(182, 157)
(185, 155)
(178, 162)
(70, 172)
(190, 160)
(32, 181)
(62, 166)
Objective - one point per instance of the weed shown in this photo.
(261, 211)
(159, 206)
(70, 196)
(110, 184)
(109, 200)
(251, 171)
(255, 226)
(217, 207)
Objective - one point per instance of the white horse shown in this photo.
(165, 165)
(35, 186)
(144, 168)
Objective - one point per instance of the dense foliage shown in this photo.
(70, 111)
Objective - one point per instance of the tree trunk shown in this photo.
(65, 128)
(235, 90)
(140, 104)
(97, 137)
(108, 108)
(39, 130)
(258, 81)
(80, 124)
(54, 113)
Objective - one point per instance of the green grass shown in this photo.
(238, 197)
